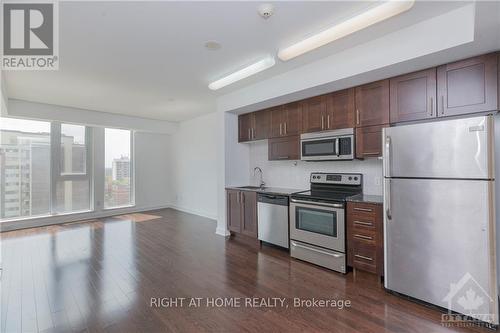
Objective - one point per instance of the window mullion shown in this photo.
(55, 165)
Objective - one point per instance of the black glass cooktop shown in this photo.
(332, 196)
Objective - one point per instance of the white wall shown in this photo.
(152, 175)
(193, 159)
(295, 174)
(25, 109)
(3, 93)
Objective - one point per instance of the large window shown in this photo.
(118, 187)
(45, 168)
(24, 168)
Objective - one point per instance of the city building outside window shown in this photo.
(24, 168)
(118, 185)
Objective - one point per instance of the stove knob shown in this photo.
(314, 177)
(350, 178)
(355, 178)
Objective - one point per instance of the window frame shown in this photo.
(55, 167)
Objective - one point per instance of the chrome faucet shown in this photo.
(262, 184)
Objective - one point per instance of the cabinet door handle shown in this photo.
(368, 224)
(282, 157)
(442, 104)
(328, 121)
(363, 209)
(357, 116)
(371, 154)
(363, 257)
(322, 122)
(281, 125)
(363, 237)
(432, 106)
(249, 133)
(285, 127)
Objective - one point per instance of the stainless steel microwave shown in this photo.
(328, 146)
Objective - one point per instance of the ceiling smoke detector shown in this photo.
(212, 45)
(266, 10)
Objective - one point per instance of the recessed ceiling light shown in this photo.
(212, 45)
(254, 68)
(356, 23)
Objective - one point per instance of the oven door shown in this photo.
(320, 224)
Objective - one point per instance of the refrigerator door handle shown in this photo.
(387, 200)
(387, 156)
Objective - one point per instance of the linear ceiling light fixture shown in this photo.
(374, 15)
(254, 68)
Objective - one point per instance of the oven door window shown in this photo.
(318, 147)
(318, 221)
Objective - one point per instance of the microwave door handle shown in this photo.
(337, 147)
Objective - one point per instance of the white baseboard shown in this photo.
(222, 232)
(193, 211)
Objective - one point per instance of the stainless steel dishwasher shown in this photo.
(273, 219)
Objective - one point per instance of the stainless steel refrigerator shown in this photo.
(439, 214)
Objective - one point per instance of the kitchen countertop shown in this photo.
(375, 199)
(269, 190)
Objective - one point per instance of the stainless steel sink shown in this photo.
(252, 188)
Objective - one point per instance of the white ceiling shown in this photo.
(147, 59)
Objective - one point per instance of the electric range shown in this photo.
(317, 219)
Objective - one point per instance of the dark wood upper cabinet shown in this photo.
(292, 124)
(245, 125)
(462, 87)
(277, 116)
(249, 216)
(369, 141)
(262, 125)
(468, 86)
(413, 96)
(286, 120)
(340, 109)
(372, 104)
(254, 126)
(284, 148)
(313, 114)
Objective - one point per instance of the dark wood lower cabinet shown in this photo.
(365, 238)
(285, 148)
(242, 212)
(369, 141)
(249, 214)
(233, 198)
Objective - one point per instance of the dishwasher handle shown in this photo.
(272, 199)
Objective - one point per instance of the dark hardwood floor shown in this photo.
(100, 276)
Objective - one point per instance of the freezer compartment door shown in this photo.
(460, 148)
(439, 243)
